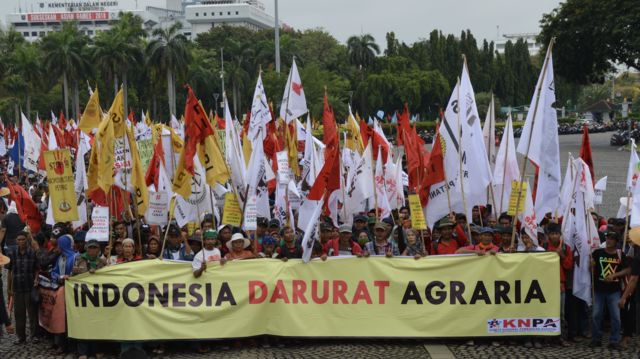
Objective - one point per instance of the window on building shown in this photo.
(237, 13)
(90, 32)
(42, 33)
(220, 13)
(25, 34)
(205, 14)
(228, 12)
(197, 14)
(34, 34)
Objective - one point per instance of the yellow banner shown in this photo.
(452, 296)
(231, 213)
(61, 187)
(417, 216)
(513, 199)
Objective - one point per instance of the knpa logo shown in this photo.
(523, 325)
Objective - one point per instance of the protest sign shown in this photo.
(100, 224)
(417, 216)
(452, 296)
(231, 213)
(61, 185)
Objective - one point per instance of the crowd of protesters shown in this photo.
(59, 251)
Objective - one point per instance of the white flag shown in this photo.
(599, 189)
(489, 133)
(567, 189)
(294, 104)
(257, 180)
(177, 126)
(311, 165)
(234, 155)
(506, 168)
(381, 188)
(464, 141)
(260, 114)
(634, 167)
(539, 140)
(52, 145)
(310, 231)
(634, 220)
(31, 145)
(199, 202)
(528, 217)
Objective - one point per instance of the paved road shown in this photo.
(608, 161)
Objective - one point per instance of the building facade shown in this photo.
(37, 18)
(532, 44)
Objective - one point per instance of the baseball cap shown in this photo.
(210, 234)
(345, 228)
(92, 243)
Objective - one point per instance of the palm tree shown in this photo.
(64, 53)
(168, 52)
(362, 50)
(25, 62)
(238, 68)
(106, 43)
(129, 51)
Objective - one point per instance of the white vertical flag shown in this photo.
(260, 113)
(31, 145)
(489, 133)
(539, 140)
(294, 104)
(506, 168)
(634, 167)
(381, 188)
(310, 231)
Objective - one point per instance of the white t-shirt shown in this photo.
(210, 256)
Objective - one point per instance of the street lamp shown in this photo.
(215, 98)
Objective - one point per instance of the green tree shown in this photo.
(25, 62)
(362, 50)
(64, 53)
(168, 52)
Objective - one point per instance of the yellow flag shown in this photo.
(116, 115)
(292, 147)
(92, 172)
(92, 114)
(354, 139)
(213, 161)
(147, 119)
(104, 147)
(246, 150)
(141, 193)
(182, 180)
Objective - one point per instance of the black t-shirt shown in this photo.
(12, 225)
(605, 265)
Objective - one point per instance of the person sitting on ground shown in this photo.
(237, 247)
(343, 245)
(382, 245)
(128, 252)
(414, 247)
(485, 246)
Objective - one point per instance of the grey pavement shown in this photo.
(608, 160)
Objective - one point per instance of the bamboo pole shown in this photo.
(533, 120)
(504, 169)
(461, 173)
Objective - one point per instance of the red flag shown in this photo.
(27, 209)
(196, 128)
(220, 122)
(585, 152)
(62, 123)
(154, 165)
(434, 171)
(403, 124)
(328, 179)
(379, 142)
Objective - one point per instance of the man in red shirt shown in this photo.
(555, 244)
(485, 246)
(447, 244)
(343, 245)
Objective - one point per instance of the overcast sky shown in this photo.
(411, 20)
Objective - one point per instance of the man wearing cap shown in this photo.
(238, 248)
(505, 239)
(268, 247)
(381, 245)
(360, 225)
(485, 246)
(606, 262)
(176, 248)
(23, 270)
(289, 248)
(90, 260)
(326, 233)
(343, 245)
(447, 244)
(208, 254)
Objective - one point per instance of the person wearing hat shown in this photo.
(79, 241)
(128, 252)
(381, 245)
(10, 226)
(176, 247)
(326, 233)
(607, 264)
(23, 270)
(274, 226)
(485, 246)
(89, 261)
(208, 254)
(343, 245)
(195, 244)
(237, 247)
(268, 247)
(447, 243)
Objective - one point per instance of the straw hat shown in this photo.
(4, 260)
(4, 191)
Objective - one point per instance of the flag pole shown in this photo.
(461, 173)
(504, 169)
(526, 157)
(492, 118)
(628, 210)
